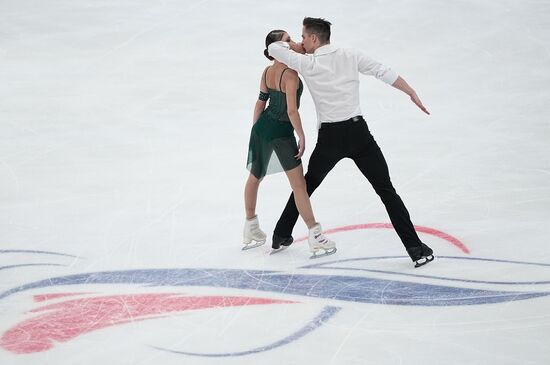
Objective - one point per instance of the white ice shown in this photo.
(124, 127)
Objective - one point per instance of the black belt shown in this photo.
(342, 123)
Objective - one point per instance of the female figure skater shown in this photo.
(273, 148)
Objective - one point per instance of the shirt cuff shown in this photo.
(282, 43)
(390, 76)
(277, 45)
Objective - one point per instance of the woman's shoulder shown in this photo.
(290, 73)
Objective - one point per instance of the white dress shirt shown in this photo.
(332, 77)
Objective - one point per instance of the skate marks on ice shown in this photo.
(75, 304)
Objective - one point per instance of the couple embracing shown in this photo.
(332, 77)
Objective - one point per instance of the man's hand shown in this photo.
(297, 47)
(415, 99)
(402, 85)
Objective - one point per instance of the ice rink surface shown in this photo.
(124, 128)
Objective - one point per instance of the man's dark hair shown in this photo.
(318, 26)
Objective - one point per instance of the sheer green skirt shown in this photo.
(272, 147)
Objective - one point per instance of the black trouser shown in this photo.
(352, 139)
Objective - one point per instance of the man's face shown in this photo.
(308, 41)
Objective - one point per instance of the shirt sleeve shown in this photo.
(368, 66)
(281, 52)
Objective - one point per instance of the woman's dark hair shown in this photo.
(273, 36)
(318, 26)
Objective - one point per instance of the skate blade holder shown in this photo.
(424, 260)
(328, 252)
(249, 246)
(277, 250)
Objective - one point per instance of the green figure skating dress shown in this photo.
(273, 132)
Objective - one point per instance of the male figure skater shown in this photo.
(332, 76)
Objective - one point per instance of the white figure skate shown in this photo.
(253, 236)
(319, 245)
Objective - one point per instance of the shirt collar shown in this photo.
(326, 49)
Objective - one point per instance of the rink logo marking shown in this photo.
(312, 325)
(61, 322)
(63, 318)
(328, 265)
(36, 252)
(64, 321)
(46, 297)
(28, 265)
(33, 252)
(427, 230)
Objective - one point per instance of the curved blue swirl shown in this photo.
(329, 266)
(315, 323)
(334, 287)
(26, 265)
(36, 252)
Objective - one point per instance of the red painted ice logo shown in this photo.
(63, 316)
(64, 321)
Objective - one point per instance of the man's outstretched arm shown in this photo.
(402, 85)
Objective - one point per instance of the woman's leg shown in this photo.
(301, 197)
(252, 232)
(251, 195)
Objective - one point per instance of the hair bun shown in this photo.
(266, 53)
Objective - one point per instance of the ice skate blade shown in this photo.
(326, 253)
(425, 261)
(277, 250)
(287, 242)
(249, 246)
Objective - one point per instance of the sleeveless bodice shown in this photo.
(277, 108)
